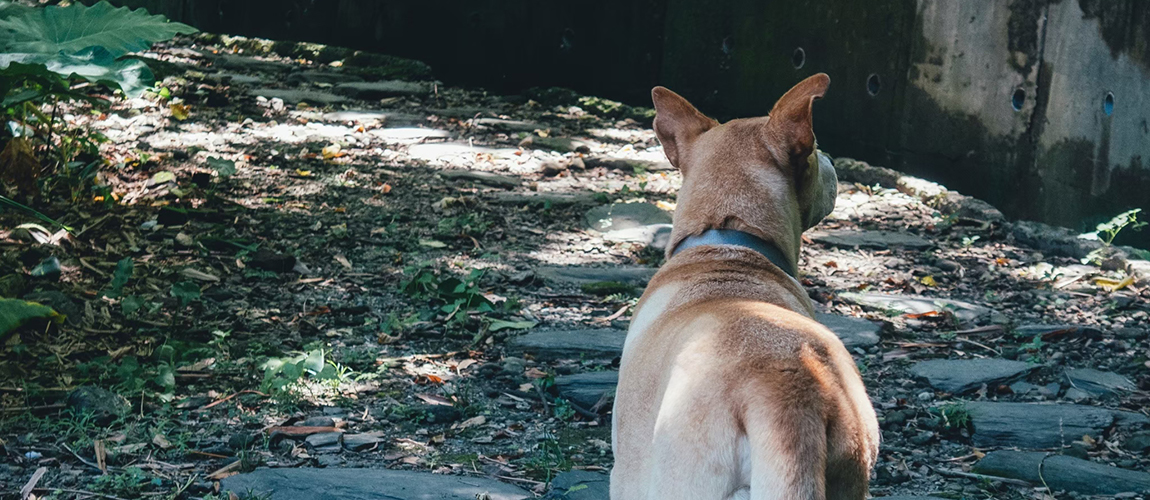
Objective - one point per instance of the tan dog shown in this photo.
(728, 387)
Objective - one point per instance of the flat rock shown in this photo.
(854, 332)
(360, 442)
(407, 135)
(580, 485)
(366, 484)
(296, 96)
(379, 90)
(559, 144)
(627, 164)
(634, 275)
(328, 77)
(371, 116)
(456, 153)
(868, 239)
(543, 199)
(586, 389)
(606, 343)
(507, 125)
(916, 304)
(618, 216)
(250, 64)
(491, 179)
(1029, 331)
(1051, 240)
(1061, 472)
(656, 236)
(1099, 383)
(1041, 426)
(959, 376)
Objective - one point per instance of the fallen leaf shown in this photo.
(161, 441)
(432, 244)
(928, 281)
(180, 111)
(464, 364)
(471, 422)
(434, 379)
(535, 373)
(1111, 285)
(343, 261)
(199, 275)
(331, 151)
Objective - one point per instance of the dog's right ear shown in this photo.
(677, 122)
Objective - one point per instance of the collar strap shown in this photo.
(738, 238)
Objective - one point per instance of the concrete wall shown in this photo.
(926, 86)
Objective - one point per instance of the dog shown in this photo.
(728, 387)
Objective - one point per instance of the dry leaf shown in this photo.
(18, 165)
(434, 399)
(180, 111)
(343, 261)
(928, 281)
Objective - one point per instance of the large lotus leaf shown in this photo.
(93, 64)
(76, 27)
(9, 9)
(16, 312)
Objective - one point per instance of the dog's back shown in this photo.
(723, 395)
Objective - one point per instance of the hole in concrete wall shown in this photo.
(1017, 99)
(799, 58)
(1108, 104)
(873, 84)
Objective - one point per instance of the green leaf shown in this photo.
(224, 168)
(70, 29)
(130, 304)
(96, 64)
(120, 278)
(314, 362)
(30, 211)
(15, 312)
(186, 291)
(163, 176)
(499, 324)
(166, 377)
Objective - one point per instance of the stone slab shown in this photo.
(586, 389)
(366, 484)
(580, 485)
(380, 90)
(587, 343)
(854, 332)
(959, 376)
(1041, 426)
(868, 239)
(618, 216)
(489, 178)
(1099, 383)
(916, 304)
(1061, 472)
(634, 275)
(294, 96)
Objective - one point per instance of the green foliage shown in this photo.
(186, 292)
(120, 277)
(128, 483)
(280, 374)
(954, 416)
(1107, 231)
(76, 27)
(14, 313)
(224, 168)
(10, 203)
(452, 296)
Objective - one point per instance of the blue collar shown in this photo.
(738, 238)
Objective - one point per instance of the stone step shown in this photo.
(362, 484)
(854, 332)
(587, 389)
(1042, 426)
(632, 275)
(917, 304)
(960, 376)
(1061, 472)
(868, 239)
(603, 343)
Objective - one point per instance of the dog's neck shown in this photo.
(741, 239)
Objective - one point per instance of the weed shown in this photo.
(128, 483)
(1106, 232)
(954, 416)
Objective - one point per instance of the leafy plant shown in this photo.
(15, 312)
(120, 277)
(954, 415)
(186, 292)
(1106, 232)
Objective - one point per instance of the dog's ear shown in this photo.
(790, 136)
(677, 122)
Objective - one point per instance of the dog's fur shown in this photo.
(728, 388)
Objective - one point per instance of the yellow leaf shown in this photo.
(330, 152)
(928, 281)
(303, 173)
(665, 205)
(1113, 285)
(180, 111)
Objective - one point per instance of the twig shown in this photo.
(219, 401)
(93, 268)
(31, 484)
(981, 477)
(84, 460)
(19, 409)
(81, 492)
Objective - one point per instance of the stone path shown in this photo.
(366, 484)
(959, 376)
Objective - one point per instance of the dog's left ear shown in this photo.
(790, 136)
(677, 122)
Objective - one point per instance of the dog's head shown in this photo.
(760, 175)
